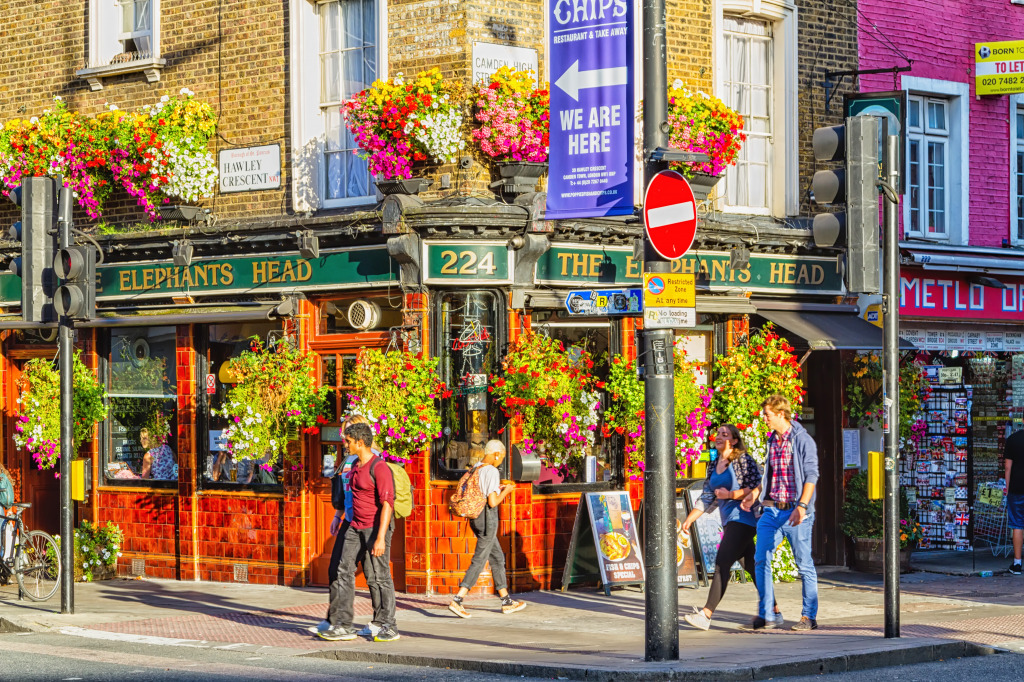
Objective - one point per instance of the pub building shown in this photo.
(456, 280)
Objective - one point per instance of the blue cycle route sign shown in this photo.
(590, 165)
(601, 302)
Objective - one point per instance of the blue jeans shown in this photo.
(771, 528)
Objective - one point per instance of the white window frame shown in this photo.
(308, 130)
(957, 96)
(1016, 106)
(925, 136)
(104, 44)
(784, 165)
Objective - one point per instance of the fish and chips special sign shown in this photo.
(616, 538)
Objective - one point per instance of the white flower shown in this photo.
(676, 84)
(58, 98)
(112, 107)
(34, 119)
(165, 98)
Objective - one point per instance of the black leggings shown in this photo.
(737, 543)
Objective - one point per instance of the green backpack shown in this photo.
(403, 488)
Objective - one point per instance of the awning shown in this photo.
(830, 331)
(159, 316)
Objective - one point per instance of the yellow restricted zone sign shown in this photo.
(669, 290)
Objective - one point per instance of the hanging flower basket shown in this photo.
(701, 123)
(399, 122)
(403, 185)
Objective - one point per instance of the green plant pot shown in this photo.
(869, 556)
(403, 185)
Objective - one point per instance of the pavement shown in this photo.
(950, 611)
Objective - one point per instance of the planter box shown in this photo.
(185, 213)
(869, 556)
(702, 184)
(403, 185)
(518, 177)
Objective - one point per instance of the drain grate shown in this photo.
(241, 573)
(139, 567)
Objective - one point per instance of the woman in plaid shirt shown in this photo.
(732, 475)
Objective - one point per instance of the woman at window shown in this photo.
(159, 461)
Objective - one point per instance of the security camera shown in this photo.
(465, 162)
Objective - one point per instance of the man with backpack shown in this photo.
(367, 542)
(477, 498)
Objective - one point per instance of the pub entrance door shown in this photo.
(41, 488)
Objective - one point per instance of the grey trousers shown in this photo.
(488, 549)
(356, 549)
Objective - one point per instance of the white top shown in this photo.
(490, 479)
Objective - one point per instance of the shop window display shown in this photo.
(139, 443)
(468, 338)
(219, 468)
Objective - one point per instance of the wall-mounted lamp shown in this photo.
(181, 252)
(739, 258)
(309, 244)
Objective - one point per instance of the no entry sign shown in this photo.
(670, 214)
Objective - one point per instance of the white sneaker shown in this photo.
(319, 627)
(698, 620)
(370, 630)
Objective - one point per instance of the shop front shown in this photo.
(969, 327)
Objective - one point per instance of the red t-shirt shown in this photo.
(368, 498)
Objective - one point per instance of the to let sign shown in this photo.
(250, 168)
(590, 165)
(999, 67)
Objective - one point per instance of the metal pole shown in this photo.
(661, 641)
(891, 370)
(65, 349)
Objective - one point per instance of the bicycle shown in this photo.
(35, 559)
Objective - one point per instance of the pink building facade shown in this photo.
(962, 246)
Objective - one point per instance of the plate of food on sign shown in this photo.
(615, 546)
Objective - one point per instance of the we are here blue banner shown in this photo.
(590, 165)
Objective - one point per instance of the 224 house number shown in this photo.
(470, 265)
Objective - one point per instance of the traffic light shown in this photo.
(75, 266)
(856, 185)
(36, 196)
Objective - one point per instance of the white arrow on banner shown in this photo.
(574, 80)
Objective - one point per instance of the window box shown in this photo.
(150, 67)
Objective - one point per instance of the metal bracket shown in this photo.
(830, 88)
(669, 155)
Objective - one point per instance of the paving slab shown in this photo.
(580, 634)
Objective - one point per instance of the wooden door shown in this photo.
(41, 488)
(337, 367)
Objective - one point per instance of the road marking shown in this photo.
(123, 658)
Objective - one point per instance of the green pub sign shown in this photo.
(478, 262)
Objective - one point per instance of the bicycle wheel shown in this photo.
(38, 566)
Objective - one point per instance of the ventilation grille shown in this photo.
(241, 573)
(138, 567)
(363, 314)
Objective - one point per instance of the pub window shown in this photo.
(468, 337)
(337, 371)
(218, 469)
(600, 339)
(356, 313)
(141, 378)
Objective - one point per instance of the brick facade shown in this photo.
(913, 28)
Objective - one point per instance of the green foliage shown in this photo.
(863, 399)
(624, 414)
(37, 425)
(549, 392)
(275, 397)
(397, 392)
(95, 546)
(862, 518)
